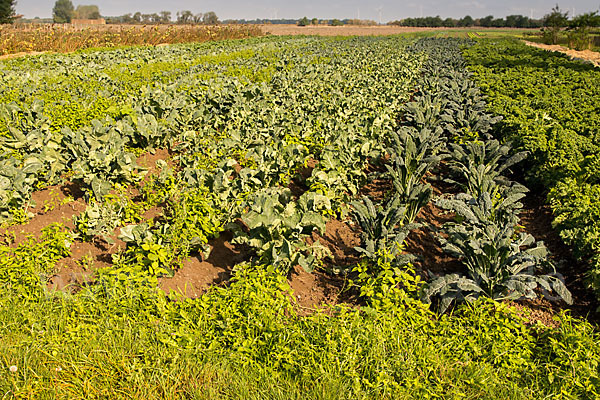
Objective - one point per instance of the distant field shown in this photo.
(352, 30)
(17, 40)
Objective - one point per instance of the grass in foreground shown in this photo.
(247, 341)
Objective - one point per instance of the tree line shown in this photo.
(578, 29)
(164, 17)
(511, 21)
(65, 12)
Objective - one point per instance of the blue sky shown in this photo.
(390, 10)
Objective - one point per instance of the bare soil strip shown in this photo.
(585, 55)
(21, 54)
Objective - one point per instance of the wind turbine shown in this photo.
(379, 11)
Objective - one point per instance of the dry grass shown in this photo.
(65, 38)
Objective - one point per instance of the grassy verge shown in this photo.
(123, 341)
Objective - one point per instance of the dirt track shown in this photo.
(586, 55)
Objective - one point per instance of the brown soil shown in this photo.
(148, 160)
(585, 55)
(340, 238)
(298, 183)
(51, 199)
(53, 195)
(538, 310)
(422, 242)
(77, 270)
(237, 168)
(316, 289)
(306, 172)
(310, 290)
(377, 189)
(152, 213)
(536, 218)
(197, 275)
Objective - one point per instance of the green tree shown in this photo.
(579, 30)
(498, 23)
(466, 21)
(449, 23)
(486, 22)
(210, 18)
(63, 10)
(7, 11)
(336, 22)
(185, 17)
(303, 22)
(165, 17)
(553, 23)
(87, 12)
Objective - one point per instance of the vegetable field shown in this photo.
(296, 217)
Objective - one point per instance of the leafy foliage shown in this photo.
(413, 154)
(557, 123)
(501, 263)
(253, 324)
(383, 227)
(480, 166)
(553, 22)
(277, 227)
(7, 11)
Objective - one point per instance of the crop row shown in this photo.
(190, 108)
(246, 157)
(241, 142)
(499, 260)
(550, 108)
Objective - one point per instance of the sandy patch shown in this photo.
(585, 55)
